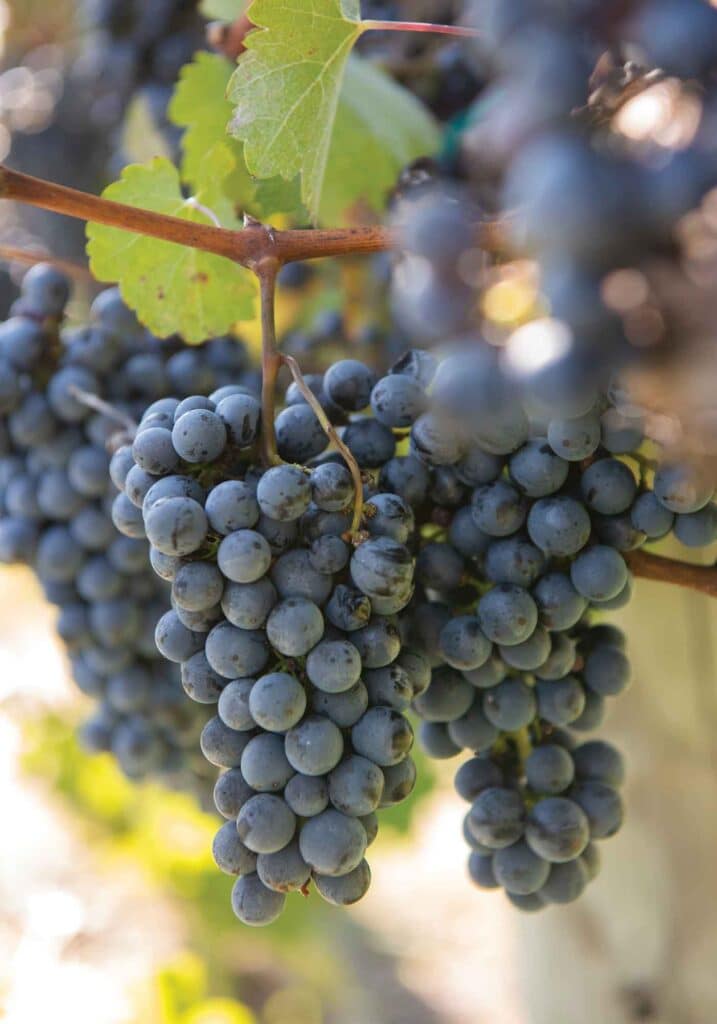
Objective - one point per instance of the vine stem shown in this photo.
(28, 257)
(247, 247)
(419, 26)
(98, 405)
(702, 578)
(333, 436)
(271, 358)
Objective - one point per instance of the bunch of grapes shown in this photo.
(531, 524)
(284, 625)
(69, 396)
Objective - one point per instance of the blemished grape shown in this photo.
(557, 829)
(332, 843)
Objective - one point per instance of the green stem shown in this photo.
(270, 358)
(420, 26)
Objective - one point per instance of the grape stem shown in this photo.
(420, 26)
(28, 257)
(227, 38)
(98, 405)
(702, 578)
(246, 247)
(271, 359)
(333, 436)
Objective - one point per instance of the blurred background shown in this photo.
(111, 908)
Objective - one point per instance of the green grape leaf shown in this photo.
(304, 106)
(171, 287)
(285, 89)
(223, 10)
(199, 106)
(379, 128)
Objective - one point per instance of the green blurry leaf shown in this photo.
(285, 89)
(199, 105)
(380, 127)
(223, 10)
(171, 287)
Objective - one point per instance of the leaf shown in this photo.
(173, 288)
(380, 127)
(199, 105)
(223, 10)
(285, 89)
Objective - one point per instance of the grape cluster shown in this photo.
(68, 396)
(526, 529)
(283, 625)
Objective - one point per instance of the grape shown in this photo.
(434, 440)
(601, 804)
(87, 471)
(480, 869)
(247, 605)
(299, 435)
(514, 560)
(334, 665)
(537, 470)
(293, 576)
(243, 556)
(681, 488)
(332, 843)
(597, 761)
(31, 423)
(221, 745)
(478, 467)
(388, 515)
(284, 493)
(233, 704)
(176, 486)
(559, 526)
(592, 714)
(557, 829)
(348, 609)
(608, 487)
(439, 567)
(329, 555)
(498, 509)
(697, 529)
(561, 659)
(307, 795)
(236, 652)
(436, 741)
(314, 746)
(531, 654)
(197, 587)
(447, 698)
(650, 517)
(566, 882)
(390, 686)
(559, 604)
(231, 792)
(331, 487)
(507, 613)
(175, 526)
(344, 709)
(370, 443)
(283, 871)
(560, 701)
(200, 681)
(406, 476)
(277, 701)
(607, 671)
(378, 643)
(253, 903)
(380, 566)
(349, 384)
(153, 451)
(62, 393)
(473, 730)
(294, 626)
(599, 573)
(199, 435)
(465, 536)
(264, 764)
(519, 870)
(497, 817)
(397, 401)
(241, 416)
(348, 888)
(382, 735)
(549, 769)
(476, 775)
(356, 786)
(510, 705)
(231, 506)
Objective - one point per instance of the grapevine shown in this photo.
(277, 587)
